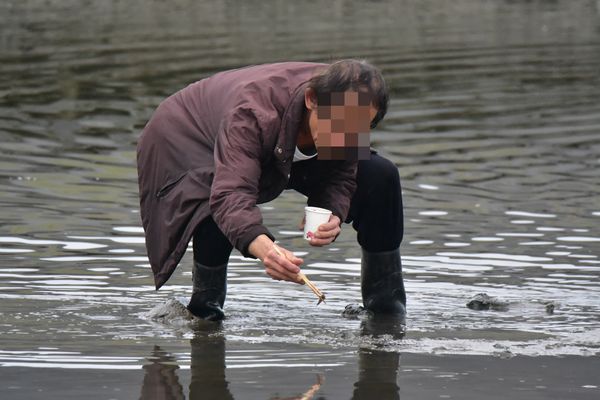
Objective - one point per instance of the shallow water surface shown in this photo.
(494, 125)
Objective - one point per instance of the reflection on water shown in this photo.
(493, 125)
(160, 377)
(209, 361)
(207, 366)
(377, 378)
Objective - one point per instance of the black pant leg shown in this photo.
(211, 247)
(376, 209)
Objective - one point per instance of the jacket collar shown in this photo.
(290, 124)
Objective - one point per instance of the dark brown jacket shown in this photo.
(221, 146)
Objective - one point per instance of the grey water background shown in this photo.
(494, 124)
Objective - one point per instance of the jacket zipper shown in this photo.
(166, 188)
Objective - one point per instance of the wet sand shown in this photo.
(363, 374)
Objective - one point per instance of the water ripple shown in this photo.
(493, 123)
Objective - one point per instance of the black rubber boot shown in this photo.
(382, 285)
(208, 295)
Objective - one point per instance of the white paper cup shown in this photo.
(314, 216)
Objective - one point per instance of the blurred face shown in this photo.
(340, 124)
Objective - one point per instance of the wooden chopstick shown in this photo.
(304, 279)
(312, 287)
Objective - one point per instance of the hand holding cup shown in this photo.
(321, 227)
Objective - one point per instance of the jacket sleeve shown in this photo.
(336, 187)
(234, 191)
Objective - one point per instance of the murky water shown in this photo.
(494, 125)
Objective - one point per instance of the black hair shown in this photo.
(357, 75)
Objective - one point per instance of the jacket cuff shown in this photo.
(244, 241)
(338, 212)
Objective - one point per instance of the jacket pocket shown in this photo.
(163, 191)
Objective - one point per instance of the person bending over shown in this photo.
(216, 149)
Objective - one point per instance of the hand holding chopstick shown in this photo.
(304, 279)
